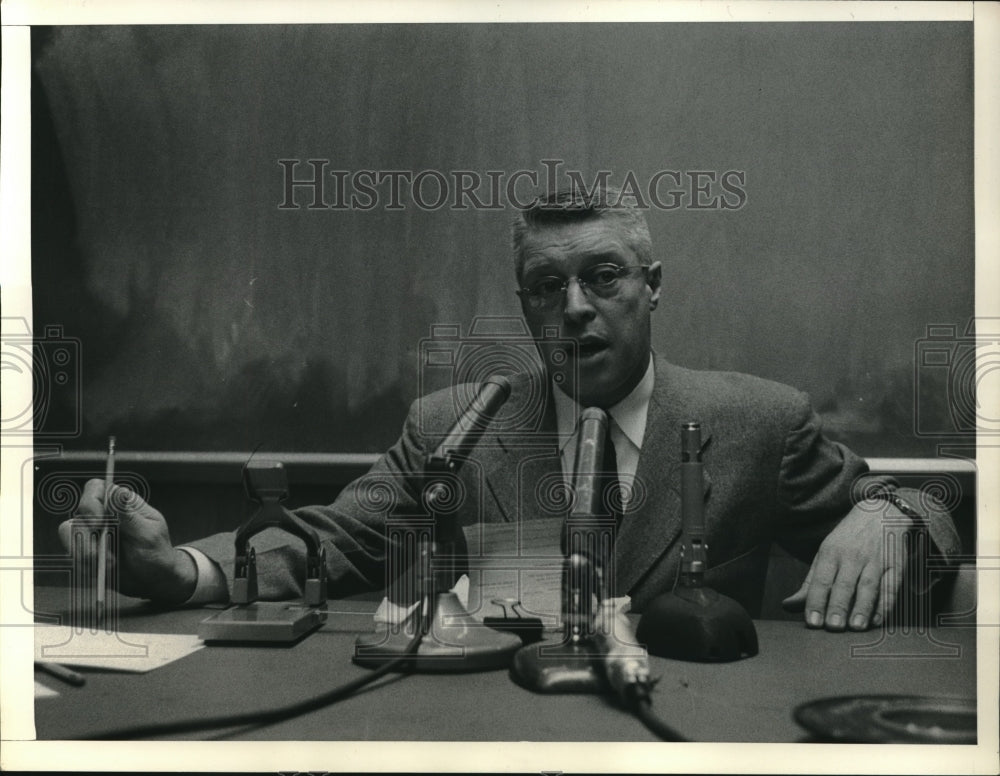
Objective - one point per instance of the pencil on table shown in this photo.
(61, 672)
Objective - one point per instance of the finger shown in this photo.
(877, 618)
(796, 602)
(123, 501)
(65, 531)
(91, 500)
(866, 596)
(892, 579)
(841, 596)
(79, 538)
(825, 572)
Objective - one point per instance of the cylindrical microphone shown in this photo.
(587, 480)
(692, 503)
(587, 540)
(477, 416)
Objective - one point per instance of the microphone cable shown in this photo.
(291, 711)
(626, 667)
(637, 698)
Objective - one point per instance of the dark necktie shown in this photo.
(612, 486)
(612, 499)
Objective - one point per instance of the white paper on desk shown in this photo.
(130, 652)
(390, 613)
(521, 561)
(41, 691)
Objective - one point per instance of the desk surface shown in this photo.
(750, 700)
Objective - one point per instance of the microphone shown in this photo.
(588, 513)
(579, 663)
(427, 540)
(695, 559)
(593, 431)
(693, 621)
(467, 430)
(586, 537)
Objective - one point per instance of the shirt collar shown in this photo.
(629, 414)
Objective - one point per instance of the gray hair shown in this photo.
(576, 205)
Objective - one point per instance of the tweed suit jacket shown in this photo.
(770, 475)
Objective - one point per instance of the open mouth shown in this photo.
(591, 346)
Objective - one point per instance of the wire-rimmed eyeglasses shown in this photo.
(601, 280)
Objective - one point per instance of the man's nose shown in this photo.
(578, 307)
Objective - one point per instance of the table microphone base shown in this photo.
(550, 667)
(697, 624)
(456, 642)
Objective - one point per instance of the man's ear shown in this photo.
(653, 277)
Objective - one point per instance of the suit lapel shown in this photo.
(525, 480)
(521, 466)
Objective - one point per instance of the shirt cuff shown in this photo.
(211, 585)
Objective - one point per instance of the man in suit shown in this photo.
(586, 273)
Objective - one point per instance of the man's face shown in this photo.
(612, 333)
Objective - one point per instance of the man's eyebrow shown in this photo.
(610, 253)
(604, 255)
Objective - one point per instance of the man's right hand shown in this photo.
(147, 564)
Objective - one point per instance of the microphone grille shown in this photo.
(501, 382)
(594, 414)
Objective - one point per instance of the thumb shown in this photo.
(66, 534)
(796, 602)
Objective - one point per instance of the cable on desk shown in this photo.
(641, 704)
(276, 715)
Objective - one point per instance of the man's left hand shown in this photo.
(855, 577)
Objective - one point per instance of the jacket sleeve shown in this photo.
(352, 529)
(821, 481)
(816, 480)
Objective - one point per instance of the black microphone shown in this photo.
(695, 558)
(467, 430)
(694, 621)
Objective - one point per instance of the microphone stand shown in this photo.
(266, 483)
(425, 542)
(695, 622)
(572, 664)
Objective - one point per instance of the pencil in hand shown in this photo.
(102, 540)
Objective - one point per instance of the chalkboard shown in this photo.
(815, 212)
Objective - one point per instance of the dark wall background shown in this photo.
(211, 319)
